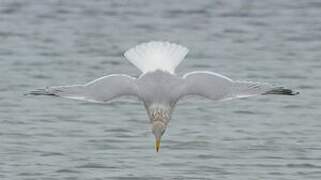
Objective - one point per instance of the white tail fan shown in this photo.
(156, 55)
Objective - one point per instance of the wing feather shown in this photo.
(218, 87)
(100, 90)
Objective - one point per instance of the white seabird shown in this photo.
(159, 87)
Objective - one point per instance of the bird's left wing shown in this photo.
(100, 90)
(218, 87)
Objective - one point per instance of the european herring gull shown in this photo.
(159, 87)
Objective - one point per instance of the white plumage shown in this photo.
(156, 55)
(158, 87)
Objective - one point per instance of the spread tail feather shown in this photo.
(156, 55)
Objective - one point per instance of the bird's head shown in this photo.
(158, 129)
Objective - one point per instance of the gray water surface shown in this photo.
(56, 42)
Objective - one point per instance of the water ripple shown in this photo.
(60, 42)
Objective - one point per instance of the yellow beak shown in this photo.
(157, 145)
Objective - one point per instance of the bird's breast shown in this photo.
(159, 112)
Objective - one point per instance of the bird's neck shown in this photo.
(159, 113)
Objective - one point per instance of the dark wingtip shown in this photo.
(38, 92)
(282, 91)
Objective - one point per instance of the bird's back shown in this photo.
(159, 87)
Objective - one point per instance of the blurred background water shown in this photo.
(57, 42)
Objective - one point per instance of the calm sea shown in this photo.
(57, 42)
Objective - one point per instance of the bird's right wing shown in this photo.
(218, 87)
(100, 90)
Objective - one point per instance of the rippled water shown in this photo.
(56, 42)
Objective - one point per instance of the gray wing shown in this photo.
(100, 90)
(218, 87)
